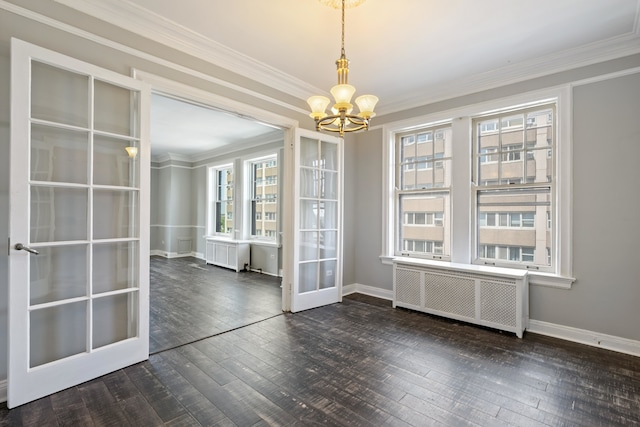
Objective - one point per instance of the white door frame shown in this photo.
(179, 90)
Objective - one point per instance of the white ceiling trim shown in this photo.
(148, 24)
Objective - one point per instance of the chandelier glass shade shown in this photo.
(341, 119)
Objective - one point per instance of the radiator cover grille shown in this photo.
(451, 294)
(470, 295)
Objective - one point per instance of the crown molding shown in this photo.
(593, 53)
(165, 157)
(149, 24)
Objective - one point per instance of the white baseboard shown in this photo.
(268, 273)
(3, 391)
(582, 336)
(166, 254)
(367, 290)
(568, 333)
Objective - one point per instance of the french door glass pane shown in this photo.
(115, 214)
(328, 185)
(114, 318)
(59, 96)
(115, 266)
(328, 244)
(57, 332)
(308, 214)
(327, 274)
(329, 156)
(328, 214)
(112, 165)
(58, 214)
(309, 182)
(59, 155)
(308, 245)
(113, 109)
(57, 273)
(309, 152)
(308, 277)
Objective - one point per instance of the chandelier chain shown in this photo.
(342, 51)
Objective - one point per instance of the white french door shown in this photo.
(317, 275)
(78, 265)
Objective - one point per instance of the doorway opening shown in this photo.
(215, 227)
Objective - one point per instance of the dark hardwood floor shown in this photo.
(358, 363)
(190, 300)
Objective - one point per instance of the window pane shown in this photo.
(425, 224)
(515, 235)
(523, 147)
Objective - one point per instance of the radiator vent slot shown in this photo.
(498, 302)
(450, 294)
(410, 292)
(489, 296)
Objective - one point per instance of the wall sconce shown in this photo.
(132, 151)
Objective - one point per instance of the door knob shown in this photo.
(21, 247)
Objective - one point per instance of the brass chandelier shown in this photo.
(341, 120)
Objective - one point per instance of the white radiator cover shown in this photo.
(488, 296)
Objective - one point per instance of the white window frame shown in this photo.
(270, 160)
(430, 129)
(212, 198)
(462, 238)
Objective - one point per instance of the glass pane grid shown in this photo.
(84, 186)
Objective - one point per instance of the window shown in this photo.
(516, 153)
(423, 191)
(514, 189)
(264, 195)
(221, 200)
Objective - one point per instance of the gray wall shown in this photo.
(606, 133)
(172, 207)
(179, 199)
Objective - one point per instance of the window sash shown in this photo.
(264, 194)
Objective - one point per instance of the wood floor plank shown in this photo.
(232, 409)
(159, 397)
(358, 363)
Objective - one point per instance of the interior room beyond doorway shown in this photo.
(191, 146)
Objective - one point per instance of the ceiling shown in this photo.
(185, 130)
(407, 52)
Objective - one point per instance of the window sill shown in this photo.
(537, 279)
(264, 243)
(550, 280)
